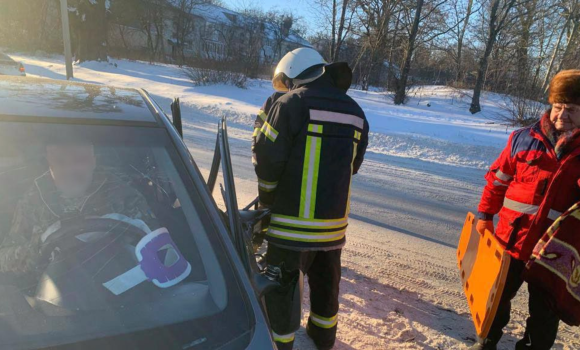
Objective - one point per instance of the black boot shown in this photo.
(523, 345)
(312, 335)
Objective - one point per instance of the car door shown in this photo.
(240, 222)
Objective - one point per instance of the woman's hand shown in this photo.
(483, 225)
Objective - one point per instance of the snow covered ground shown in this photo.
(424, 171)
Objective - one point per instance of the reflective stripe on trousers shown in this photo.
(286, 338)
(267, 186)
(323, 322)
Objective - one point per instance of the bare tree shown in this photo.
(374, 19)
(338, 16)
(90, 29)
(428, 21)
(461, 36)
(500, 15)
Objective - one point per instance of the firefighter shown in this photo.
(530, 185)
(311, 144)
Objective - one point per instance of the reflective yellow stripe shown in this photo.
(315, 128)
(354, 150)
(310, 173)
(301, 236)
(286, 338)
(357, 135)
(323, 322)
(269, 131)
(308, 223)
(266, 185)
(262, 115)
(256, 132)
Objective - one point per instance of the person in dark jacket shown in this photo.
(261, 119)
(311, 144)
(260, 230)
(535, 180)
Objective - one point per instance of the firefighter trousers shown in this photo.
(284, 305)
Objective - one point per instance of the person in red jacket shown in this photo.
(534, 180)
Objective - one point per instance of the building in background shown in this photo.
(202, 33)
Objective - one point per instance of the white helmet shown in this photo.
(295, 63)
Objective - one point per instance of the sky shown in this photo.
(301, 8)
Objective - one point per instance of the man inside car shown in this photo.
(72, 188)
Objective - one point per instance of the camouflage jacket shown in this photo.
(43, 206)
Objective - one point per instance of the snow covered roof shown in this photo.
(292, 36)
(221, 15)
(218, 14)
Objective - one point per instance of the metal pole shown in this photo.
(66, 38)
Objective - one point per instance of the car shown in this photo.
(10, 67)
(141, 257)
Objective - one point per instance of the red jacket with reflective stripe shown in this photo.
(529, 187)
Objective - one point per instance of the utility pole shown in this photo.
(66, 38)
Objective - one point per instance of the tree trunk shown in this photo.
(522, 51)
(340, 31)
(92, 34)
(400, 94)
(481, 70)
(571, 39)
(391, 52)
(333, 39)
(459, 76)
(554, 55)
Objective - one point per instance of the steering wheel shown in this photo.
(67, 275)
(67, 236)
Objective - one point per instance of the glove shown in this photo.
(483, 225)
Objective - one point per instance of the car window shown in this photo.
(103, 240)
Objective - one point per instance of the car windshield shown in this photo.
(105, 243)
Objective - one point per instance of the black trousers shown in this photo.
(542, 323)
(284, 305)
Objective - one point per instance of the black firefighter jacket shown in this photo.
(311, 144)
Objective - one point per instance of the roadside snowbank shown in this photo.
(434, 126)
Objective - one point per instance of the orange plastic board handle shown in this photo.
(483, 265)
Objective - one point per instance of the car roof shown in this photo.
(24, 98)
